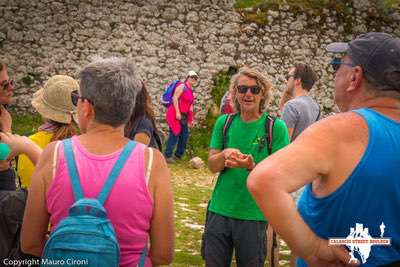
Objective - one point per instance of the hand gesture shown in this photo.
(230, 152)
(178, 116)
(236, 159)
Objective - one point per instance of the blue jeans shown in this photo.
(181, 139)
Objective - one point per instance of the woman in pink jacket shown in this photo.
(179, 116)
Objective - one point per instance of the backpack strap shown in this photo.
(73, 173)
(269, 127)
(227, 124)
(112, 177)
(273, 247)
(143, 255)
(149, 165)
(55, 158)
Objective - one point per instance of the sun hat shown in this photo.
(192, 73)
(53, 101)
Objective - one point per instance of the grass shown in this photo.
(192, 190)
(25, 124)
(247, 3)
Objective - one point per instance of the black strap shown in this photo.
(273, 247)
(269, 127)
(157, 138)
(227, 124)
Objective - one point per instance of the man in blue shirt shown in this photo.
(349, 163)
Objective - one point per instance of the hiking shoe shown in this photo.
(170, 160)
(176, 157)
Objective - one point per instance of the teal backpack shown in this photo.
(87, 236)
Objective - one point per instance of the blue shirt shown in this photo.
(370, 196)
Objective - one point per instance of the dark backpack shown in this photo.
(166, 97)
(269, 126)
(12, 206)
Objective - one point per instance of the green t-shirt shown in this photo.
(230, 196)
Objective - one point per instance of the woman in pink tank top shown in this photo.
(140, 205)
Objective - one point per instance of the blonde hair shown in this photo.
(261, 80)
(64, 131)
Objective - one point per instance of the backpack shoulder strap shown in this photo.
(184, 86)
(112, 177)
(269, 127)
(73, 173)
(157, 139)
(227, 124)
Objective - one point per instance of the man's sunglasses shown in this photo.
(5, 84)
(336, 62)
(255, 90)
(75, 97)
(289, 76)
(194, 77)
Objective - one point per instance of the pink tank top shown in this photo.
(129, 205)
(185, 102)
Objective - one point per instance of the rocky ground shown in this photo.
(192, 188)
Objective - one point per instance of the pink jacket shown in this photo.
(185, 103)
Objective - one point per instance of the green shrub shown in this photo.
(256, 10)
(200, 136)
(25, 124)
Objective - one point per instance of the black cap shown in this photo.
(378, 53)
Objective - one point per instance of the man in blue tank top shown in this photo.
(348, 214)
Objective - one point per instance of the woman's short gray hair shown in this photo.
(111, 84)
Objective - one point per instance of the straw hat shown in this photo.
(53, 101)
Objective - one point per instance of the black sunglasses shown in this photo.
(5, 84)
(289, 76)
(255, 90)
(75, 97)
(194, 77)
(336, 62)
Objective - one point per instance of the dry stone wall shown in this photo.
(166, 38)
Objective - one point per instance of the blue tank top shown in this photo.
(370, 196)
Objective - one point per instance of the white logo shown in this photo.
(359, 240)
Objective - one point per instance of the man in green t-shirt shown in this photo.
(234, 221)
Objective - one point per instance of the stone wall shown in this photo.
(166, 38)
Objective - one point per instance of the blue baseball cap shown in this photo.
(378, 54)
